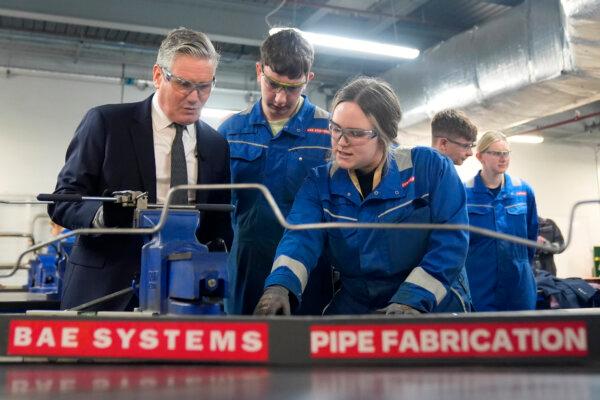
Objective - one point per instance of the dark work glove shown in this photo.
(274, 301)
(398, 309)
(115, 215)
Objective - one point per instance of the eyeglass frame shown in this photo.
(276, 86)
(498, 154)
(200, 87)
(465, 146)
(352, 138)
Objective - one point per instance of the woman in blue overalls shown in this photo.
(500, 273)
(387, 271)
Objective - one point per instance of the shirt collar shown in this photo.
(480, 186)
(257, 117)
(160, 120)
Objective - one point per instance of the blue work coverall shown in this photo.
(281, 162)
(500, 272)
(423, 269)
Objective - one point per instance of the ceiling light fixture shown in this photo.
(530, 139)
(362, 46)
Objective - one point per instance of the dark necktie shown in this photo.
(178, 166)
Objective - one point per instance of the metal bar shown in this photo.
(323, 225)
(559, 123)
(102, 299)
(17, 235)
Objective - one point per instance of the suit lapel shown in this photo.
(143, 144)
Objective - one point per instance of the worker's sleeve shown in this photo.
(429, 282)
(81, 174)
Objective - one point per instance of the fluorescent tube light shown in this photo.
(362, 46)
(531, 139)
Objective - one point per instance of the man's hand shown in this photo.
(274, 301)
(115, 215)
(398, 309)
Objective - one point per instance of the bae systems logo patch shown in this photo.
(322, 131)
(408, 181)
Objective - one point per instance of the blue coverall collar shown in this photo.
(394, 184)
(341, 184)
(295, 124)
(479, 186)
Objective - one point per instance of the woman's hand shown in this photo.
(398, 309)
(274, 301)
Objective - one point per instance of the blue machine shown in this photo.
(46, 270)
(43, 275)
(178, 274)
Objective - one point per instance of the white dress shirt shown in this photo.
(163, 135)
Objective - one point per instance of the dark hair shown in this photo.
(453, 124)
(188, 42)
(287, 53)
(377, 100)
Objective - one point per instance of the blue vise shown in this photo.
(43, 275)
(46, 270)
(178, 274)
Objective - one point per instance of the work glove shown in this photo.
(398, 309)
(275, 300)
(115, 215)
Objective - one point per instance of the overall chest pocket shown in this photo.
(301, 159)
(340, 210)
(246, 161)
(406, 247)
(482, 216)
(479, 214)
(415, 210)
(516, 215)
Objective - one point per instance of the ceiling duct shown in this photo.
(537, 59)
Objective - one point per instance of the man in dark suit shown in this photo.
(133, 147)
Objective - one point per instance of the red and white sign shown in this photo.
(452, 340)
(208, 341)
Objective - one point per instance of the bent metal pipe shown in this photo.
(280, 218)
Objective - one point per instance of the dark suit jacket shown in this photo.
(113, 149)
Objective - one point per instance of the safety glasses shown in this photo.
(276, 86)
(187, 87)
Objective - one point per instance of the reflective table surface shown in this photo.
(175, 381)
